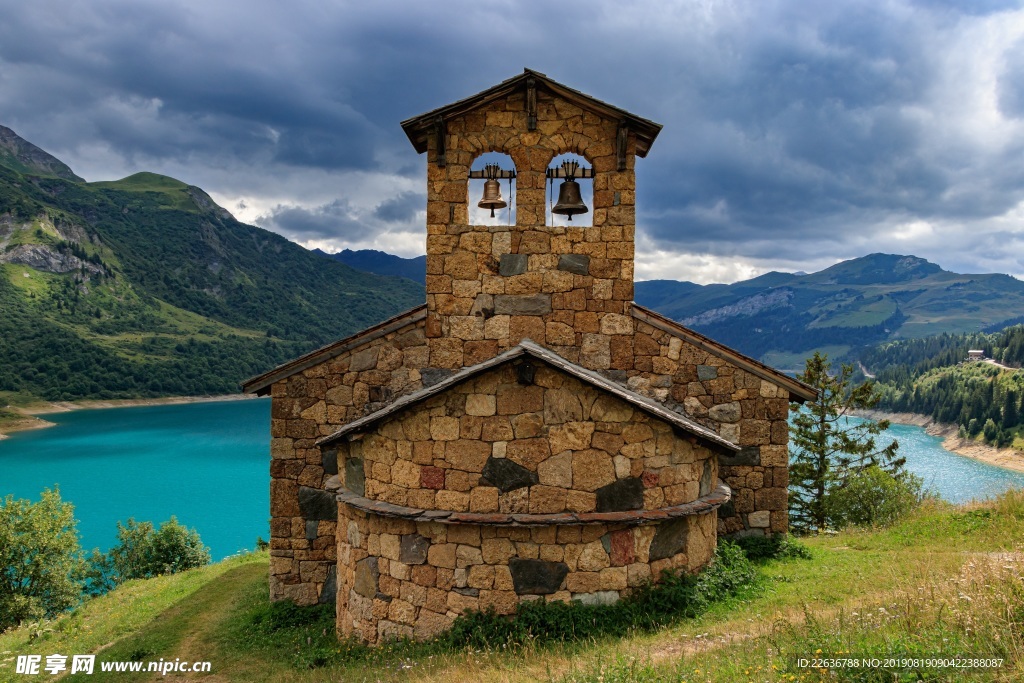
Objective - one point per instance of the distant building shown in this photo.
(975, 354)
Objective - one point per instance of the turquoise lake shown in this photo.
(207, 464)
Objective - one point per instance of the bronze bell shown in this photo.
(492, 197)
(570, 202)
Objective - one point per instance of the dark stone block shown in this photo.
(507, 475)
(619, 376)
(706, 372)
(471, 592)
(312, 529)
(621, 495)
(317, 503)
(431, 376)
(726, 510)
(705, 479)
(537, 577)
(413, 549)
(367, 575)
(379, 394)
(330, 460)
(574, 263)
(749, 456)
(355, 476)
(522, 304)
(512, 264)
(329, 593)
(669, 539)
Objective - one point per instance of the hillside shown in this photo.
(781, 318)
(930, 377)
(943, 583)
(145, 287)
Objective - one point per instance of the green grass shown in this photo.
(948, 580)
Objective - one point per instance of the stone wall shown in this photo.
(403, 578)
(311, 403)
(742, 406)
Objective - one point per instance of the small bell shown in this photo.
(570, 203)
(492, 197)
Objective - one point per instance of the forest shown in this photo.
(931, 376)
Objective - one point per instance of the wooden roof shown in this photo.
(419, 128)
(529, 348)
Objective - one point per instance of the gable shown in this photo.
(420, 128)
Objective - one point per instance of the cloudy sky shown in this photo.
(797, 134)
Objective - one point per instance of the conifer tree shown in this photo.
(826, 449)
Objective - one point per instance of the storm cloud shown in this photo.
(796, 134)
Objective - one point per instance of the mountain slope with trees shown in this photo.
(145, 287)
(932, 377)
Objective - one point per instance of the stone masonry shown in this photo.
(489, 288)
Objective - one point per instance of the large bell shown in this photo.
(570, 203)
(492, 197)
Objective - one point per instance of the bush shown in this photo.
(775, 547)
(873, 497)
(40, 560)
(143, 552)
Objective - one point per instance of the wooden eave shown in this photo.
(529, 348)
(798, 391)
(419, 128)
(260, 384)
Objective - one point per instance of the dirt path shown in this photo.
(192, 631)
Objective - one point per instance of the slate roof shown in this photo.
(418, 128)
(529, 348)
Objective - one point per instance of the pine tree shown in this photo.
(826, 448)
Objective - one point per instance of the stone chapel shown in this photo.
(529, 433)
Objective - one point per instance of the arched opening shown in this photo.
(499, 168)
(561, 166)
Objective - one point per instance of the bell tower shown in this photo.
(565, 287)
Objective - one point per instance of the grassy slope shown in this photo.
(947, 580)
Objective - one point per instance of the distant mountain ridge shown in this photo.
(382, 263)
(145, 286)
(781, 318)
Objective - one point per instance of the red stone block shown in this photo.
(622, 548)
(431, 477)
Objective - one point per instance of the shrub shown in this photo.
(40, 560)
(873, 497)
(775, 547)
(143, 552)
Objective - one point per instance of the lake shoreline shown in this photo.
(30, 415)
(1006, 458)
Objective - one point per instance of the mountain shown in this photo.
(22, 156)
(781, 318)
(144, 286)
(382, 263)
